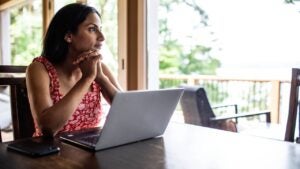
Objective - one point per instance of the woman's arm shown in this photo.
(52, 117)
(107, 81)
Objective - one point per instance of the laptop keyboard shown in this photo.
(91, 140)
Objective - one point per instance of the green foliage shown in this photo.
(26, 29)
(177, 57)
(26, 33)
(169, 83)
(168, 62)
(288, 1)
(174, 57)
(215, 94)
(196, 61)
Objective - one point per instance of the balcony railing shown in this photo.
(250, 94)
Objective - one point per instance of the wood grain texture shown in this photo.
(182, 146)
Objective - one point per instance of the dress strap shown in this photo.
(54, 83)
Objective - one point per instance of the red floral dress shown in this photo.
(88, 113)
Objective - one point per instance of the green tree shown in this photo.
(173, 56)
(176, 57)
(26, 33)
(26, 30)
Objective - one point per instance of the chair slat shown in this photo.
(12, 81)
(293, 104)
(12, 69)
(22, 120)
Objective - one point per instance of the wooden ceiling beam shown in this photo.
(3, 1)
(6, 4)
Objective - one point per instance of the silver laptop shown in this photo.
(133, 116)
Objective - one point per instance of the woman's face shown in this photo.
(88, 36)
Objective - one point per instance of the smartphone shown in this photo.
(35, 146)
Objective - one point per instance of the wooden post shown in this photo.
(136, 37)
(122, 43)
(48, 12)
(275, 101)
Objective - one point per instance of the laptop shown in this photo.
(133, 116)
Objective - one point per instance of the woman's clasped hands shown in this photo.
(89, 63)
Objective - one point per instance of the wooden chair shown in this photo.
(198, 111)
(294, 103)
(22, 121)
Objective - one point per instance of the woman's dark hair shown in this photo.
(66, 20)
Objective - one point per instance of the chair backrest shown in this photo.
(22, 120)
(195, 106)
(294, 102)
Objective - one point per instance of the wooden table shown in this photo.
(181, 147)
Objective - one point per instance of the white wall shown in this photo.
(5, 55)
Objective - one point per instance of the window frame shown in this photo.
(131, 38)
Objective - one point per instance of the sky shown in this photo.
(257, 37)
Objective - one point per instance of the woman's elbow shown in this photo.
(48, 132)
(47, 128)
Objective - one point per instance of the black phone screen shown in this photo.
(34, 146)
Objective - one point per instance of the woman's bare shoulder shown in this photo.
(36, 67)
(36, 70)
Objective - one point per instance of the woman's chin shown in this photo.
(97, 47)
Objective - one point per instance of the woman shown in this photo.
(66, 82)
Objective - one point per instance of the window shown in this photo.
(59, 4)
(24, 24)
(108, 10)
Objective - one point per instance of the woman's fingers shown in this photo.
(88, 55)
(82, 56)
